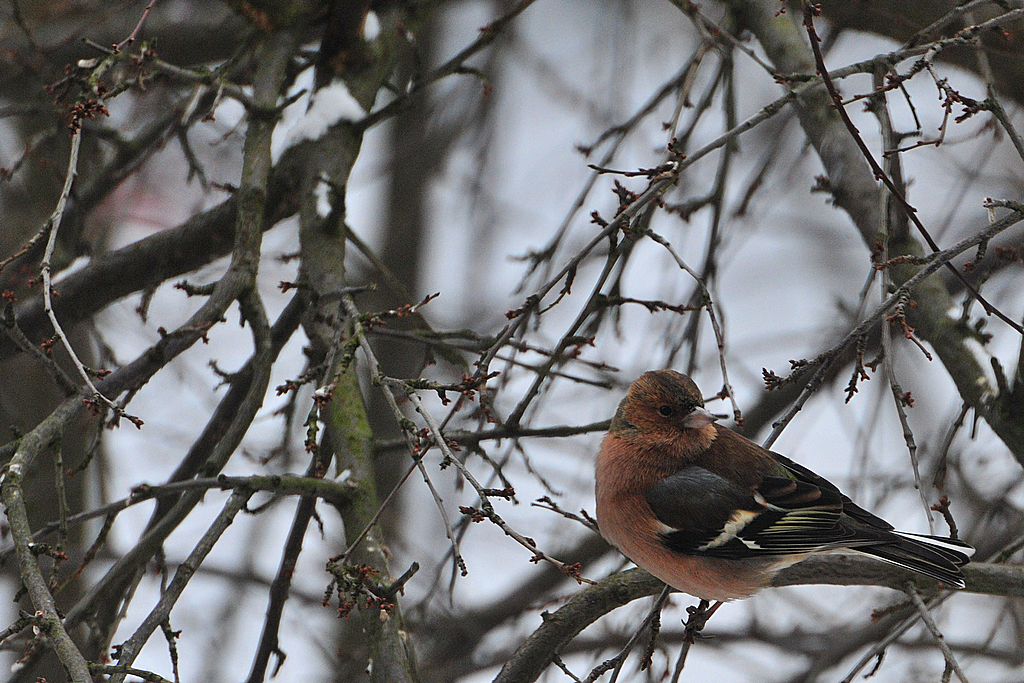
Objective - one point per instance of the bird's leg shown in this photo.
(699, 616)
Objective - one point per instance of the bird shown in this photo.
(715, 515)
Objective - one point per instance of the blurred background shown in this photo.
(502, 138)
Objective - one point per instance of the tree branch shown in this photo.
(837, 569)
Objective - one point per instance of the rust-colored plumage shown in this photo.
(715, 515)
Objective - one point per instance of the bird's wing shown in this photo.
(934, 556)
(801, 473)
(704, 513)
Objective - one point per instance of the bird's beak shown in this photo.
(698, 417)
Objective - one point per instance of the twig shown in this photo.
(332, 492)
(900, 399)
(27, 247)
(557, 661)
(567, 339)
(344, 558)
(712, 31)
(879, 106)
(944, 21)
(17, 627)
(132, 671)
(138, 27)
(52, 225)
(224, 87)
(454, 65)
(653, 192)
(486, 507)
(9, 324)
(618, 660)
(378, 378)
(585, 519)
(131, 647)
(505, 432)
(719, 337)
(681, 83)
(910, 211)
(878, 648)
(935, 261)
(942, 456)
(992, 104)
(724, 85)
(280, 587)
(940, 640)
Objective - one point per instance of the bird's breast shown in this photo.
(627, 521)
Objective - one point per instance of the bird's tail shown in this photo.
(934, 556)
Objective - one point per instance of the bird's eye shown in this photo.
(666, 410)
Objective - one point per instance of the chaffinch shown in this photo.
(715, 515)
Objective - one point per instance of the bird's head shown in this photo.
(662, 406)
